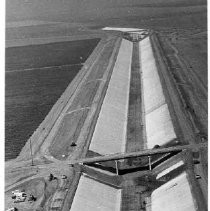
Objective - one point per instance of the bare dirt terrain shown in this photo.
(189, 68)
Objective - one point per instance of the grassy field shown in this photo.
(32, 89)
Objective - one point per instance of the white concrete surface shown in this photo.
(174, 195)
(171, 168)
(110, 132)
(153, 93)
(159, 126)
(121, 29)
(92, 196)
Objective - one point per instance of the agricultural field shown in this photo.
(36, 76)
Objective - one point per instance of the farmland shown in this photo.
(36, 76)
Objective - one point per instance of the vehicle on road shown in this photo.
(20, 199)
(31, 198)
(18, 193)
(51, 177)
(197, 176)
(13, 209)
(63, 176)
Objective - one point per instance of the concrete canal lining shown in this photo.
(92, 195)
(110, 132)
(171, 168)
(174, 195)
(159, 126)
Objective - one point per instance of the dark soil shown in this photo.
(135, 141)
(53, 54)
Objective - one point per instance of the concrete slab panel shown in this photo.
(109, 136)
(174, 195)
(121, 29)
(110, 131)
(153, 93)
(159, 127)
(92, 195)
